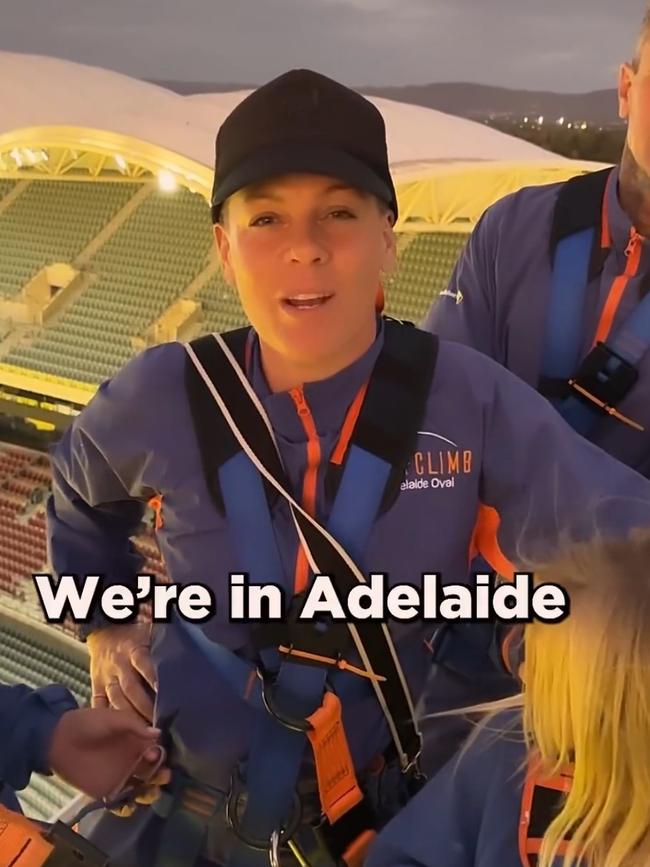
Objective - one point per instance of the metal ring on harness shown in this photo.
(273, 851)
(278, 838)
(294, 724)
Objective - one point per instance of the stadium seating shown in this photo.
(25, 482)
(29, 655)
(5, 187)
(138, 273)
(53, 222)
(425, 262)
(220, 304)
(150, 260)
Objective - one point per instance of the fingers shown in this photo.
(98, 689)
(116, 697)
(132, 689)
(153, 754)
(129, 724)
(142, 663)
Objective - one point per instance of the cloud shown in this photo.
(569, 46)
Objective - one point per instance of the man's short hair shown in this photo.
(644, 34)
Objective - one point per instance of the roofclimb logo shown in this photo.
(457, 296)
(437, 467)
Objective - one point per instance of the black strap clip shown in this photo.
(604, 375)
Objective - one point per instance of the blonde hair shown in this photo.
(586, 703)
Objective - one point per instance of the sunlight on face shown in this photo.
(306, 254)
(634, 106)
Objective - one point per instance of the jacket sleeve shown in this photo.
(473, 796)
(542, 485)
(437, 827)
(465, 311)
(28, 718)
(100, 472)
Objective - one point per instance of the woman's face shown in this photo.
(306, 254)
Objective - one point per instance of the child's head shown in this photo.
(587, 700)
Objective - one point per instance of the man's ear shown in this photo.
(223, 250)
(626, 77)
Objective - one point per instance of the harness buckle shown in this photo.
(604, 375)
(279, 837)
(295, 724)
(337, 783)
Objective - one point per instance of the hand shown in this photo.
(99, 751)
(120, 668)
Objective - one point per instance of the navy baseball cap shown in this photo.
(303, 121)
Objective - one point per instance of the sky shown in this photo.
(563, 45)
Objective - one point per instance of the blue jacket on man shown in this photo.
(28, 718)
(498, 298)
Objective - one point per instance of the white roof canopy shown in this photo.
(44, 91)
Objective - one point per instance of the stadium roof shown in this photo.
(38, 91)
(449, 168)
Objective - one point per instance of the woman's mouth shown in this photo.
(307, 300)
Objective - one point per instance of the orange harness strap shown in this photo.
(537, 813)
(21, 842)
(337, 782)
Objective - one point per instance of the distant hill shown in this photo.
(188, 87)
(475, 101)
(482, 101)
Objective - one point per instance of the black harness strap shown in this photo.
(578, 207)
(396, 401)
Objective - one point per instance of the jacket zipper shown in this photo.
(633, 256)
(310, 479)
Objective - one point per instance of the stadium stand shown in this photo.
(149, 261)
(5, 187)
(61, 218)
(25, 482)
(31, 651)
(220, 303)
(425, 261)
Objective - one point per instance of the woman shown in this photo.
(408, 468)
(564, 773)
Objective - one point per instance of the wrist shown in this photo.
(55, 701)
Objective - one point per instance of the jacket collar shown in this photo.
(620, 225)
(328, 399)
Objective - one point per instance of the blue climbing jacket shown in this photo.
(524, 276)
(468, 814)
(28, 718)
(494, 471)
